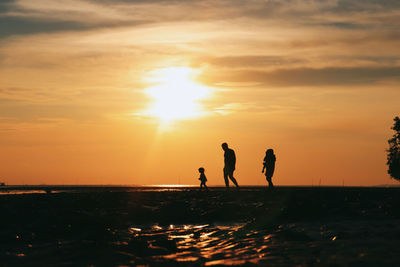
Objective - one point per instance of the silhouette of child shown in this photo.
(202, 178)
(269, 166)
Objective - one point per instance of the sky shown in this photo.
(144, 92)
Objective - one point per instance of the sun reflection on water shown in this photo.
(211, 244)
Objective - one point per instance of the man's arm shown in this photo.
(233, 159)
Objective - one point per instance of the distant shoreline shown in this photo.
(21, 189)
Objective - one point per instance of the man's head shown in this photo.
(224, 146)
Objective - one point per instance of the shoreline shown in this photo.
(127, 188)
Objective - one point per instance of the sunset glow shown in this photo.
(145, 92)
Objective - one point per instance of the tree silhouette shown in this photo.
(393, 158)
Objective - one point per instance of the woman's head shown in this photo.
(269, 151)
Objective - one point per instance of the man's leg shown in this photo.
(269, 179)
(233, 178)
(226, 178)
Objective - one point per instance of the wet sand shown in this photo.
(289, 226)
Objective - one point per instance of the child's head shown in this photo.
(201, 170)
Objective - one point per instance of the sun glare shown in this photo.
(175, 94)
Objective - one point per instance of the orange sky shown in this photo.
(145, 92)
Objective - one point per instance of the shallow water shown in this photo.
(17, 192)
(287, 227)
(346, 242)
(197, 243)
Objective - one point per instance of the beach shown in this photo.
(125, 226)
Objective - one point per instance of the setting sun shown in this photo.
(175, 94)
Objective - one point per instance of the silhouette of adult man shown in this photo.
(230, 163)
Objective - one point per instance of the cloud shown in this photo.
(20, 25)
(229, 108)
(52, 105)
(79, 15)
(77, 10)
(309, 77)
(22, 112)
(43, 16)
(268, 63)
(252, 61)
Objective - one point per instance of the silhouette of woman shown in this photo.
(269, 166)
